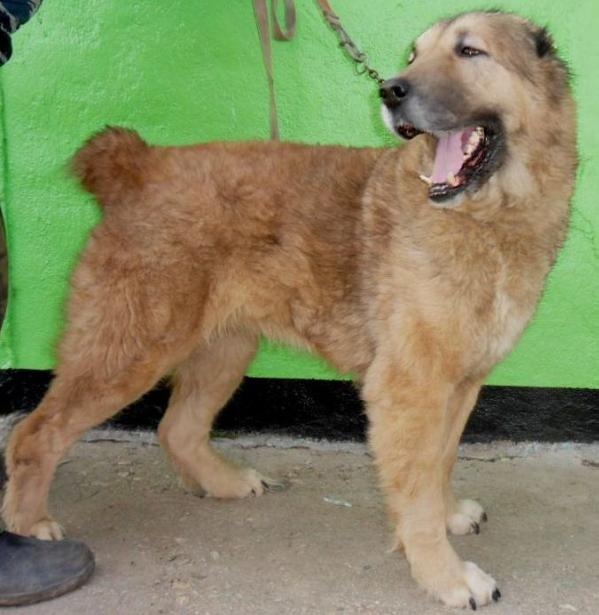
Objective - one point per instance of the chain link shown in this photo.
(362, 64)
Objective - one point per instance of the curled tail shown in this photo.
(111, 165)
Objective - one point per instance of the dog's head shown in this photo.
(474, 82)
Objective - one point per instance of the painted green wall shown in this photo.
(181, 72)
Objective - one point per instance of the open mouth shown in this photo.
(462, 157)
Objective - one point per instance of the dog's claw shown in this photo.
(496, 595)
(484, 517)
(473, 604)
(274, 485)
(475, 527)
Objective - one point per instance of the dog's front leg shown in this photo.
(408, 432)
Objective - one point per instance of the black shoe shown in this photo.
(33, 570)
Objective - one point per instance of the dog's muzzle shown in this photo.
(394, 91)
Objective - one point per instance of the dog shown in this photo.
(415, 268)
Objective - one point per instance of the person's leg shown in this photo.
(3, 476)
(33, 570)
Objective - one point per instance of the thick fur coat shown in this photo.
(203, 249)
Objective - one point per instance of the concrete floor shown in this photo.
(321, 546)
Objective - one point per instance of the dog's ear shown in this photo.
(543, 43)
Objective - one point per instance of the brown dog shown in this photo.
(417, 285)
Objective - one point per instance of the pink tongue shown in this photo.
(449, 157)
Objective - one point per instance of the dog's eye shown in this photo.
(470, 52)
(411, 57)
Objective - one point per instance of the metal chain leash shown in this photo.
(362, 64)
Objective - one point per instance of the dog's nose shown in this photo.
(393, 91)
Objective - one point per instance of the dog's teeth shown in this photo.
(472, 144)
(427, 180)
(452, 180)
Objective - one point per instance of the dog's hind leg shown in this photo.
(202, 386)
(117, 345)
(463, 516)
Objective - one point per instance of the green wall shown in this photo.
(182, 72)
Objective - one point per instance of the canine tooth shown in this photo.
(452, 180)
(427, 180)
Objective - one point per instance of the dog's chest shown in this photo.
(510, 316)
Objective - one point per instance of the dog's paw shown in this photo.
(244, 483)
(467, 518)
(239, 483)
(46, 529)
(475, 589)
